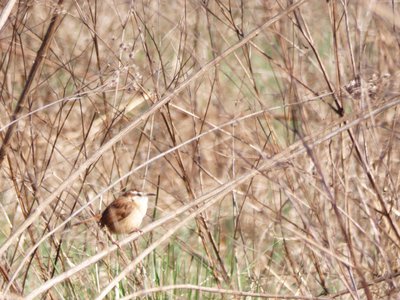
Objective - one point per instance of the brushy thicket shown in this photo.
(268, 129)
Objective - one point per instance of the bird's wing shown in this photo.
(123, 208)
(116, 211)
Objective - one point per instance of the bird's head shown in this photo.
(136, 195)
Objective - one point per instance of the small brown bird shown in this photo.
(126, 213)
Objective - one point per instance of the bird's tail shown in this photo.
(95, 218)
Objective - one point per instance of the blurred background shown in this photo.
(310, 208)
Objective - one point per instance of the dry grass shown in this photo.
(269, 132)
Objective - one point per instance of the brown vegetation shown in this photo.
(268, 129)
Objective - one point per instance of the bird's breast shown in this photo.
(130, 223)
